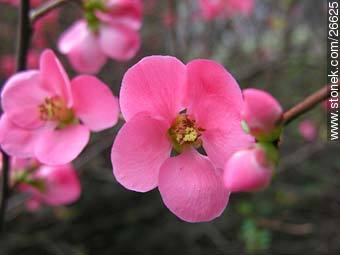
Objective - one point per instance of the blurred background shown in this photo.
(279, 47)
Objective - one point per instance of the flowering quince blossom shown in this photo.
(249, 169)
(262, 115)
(212, 9)
(48, 117)
(169, 105)
(51, 185)
(110, 29)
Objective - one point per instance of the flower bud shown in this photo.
(308, 130)
(250, 169)
(261, 115)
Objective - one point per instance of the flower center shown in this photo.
(184, 132)
(55, 109)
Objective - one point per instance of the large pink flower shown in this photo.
(225, 8)
(48, 117)
(171, 105)
(111, 30)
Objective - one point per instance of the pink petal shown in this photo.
(62, 184)
(215, 102)
(119, 42)
(223, 133)
(140, 148)
(53, 76)
(215, 112)
(61, 146)
(16, 141)
(94, 103)
(208, 78)
(243, 172)
(220, 144)
(21, 98)
(191, 187)
(82, 48)
(155, 85)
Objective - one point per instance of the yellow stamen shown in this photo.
(184, 132)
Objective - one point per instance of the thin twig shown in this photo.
(24, 35)
(47, 7)
(24, 32)
(4, 190)
(305, 105)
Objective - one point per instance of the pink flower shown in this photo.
(111, 30)
(171, 105)
(248, 170)
(60, 186)
(212, 9)
(308, 130)
(48, 117)
(262, 114)
(51, 185)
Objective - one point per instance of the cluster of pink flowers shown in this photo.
(168, 106)
(44, 111)
(224, 140)
(109, 30)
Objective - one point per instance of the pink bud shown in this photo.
(308, 130)
(262, 114)
(248, 170)
(61, 185)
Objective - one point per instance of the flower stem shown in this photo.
(47, 7)
(306, 105)
(24, 34)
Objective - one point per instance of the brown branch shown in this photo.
(24, 33)
(306, 105)
(47, 7)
